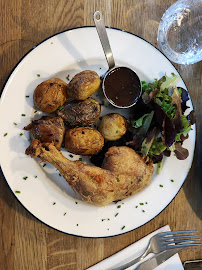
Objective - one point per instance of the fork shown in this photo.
(165, 241)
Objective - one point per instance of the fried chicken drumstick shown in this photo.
(123, 174)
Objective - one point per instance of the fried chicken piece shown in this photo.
(47, 129)
(125, 173)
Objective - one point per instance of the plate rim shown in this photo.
(3, 88)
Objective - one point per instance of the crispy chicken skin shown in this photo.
(125, 173)
(47, 129)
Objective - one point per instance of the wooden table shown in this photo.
(25, 242)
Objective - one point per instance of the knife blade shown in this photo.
(158, 259)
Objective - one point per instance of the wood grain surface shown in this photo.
(25, 242)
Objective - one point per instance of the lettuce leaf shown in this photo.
(138, 123)
(170, 81)
(185, 131)
(141, 133)
(147, 143)
(156, 148)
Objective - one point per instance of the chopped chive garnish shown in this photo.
(123, 227)
(117, 131)
(35, 111)
(141, 203)
(116, 214)
(160, 185)
(92, 176)
(38, 75)
(44, 164)
(77, 224)
(119, 206)
(118, 180)
(87, 193)
(143, 211)
(54, 203)
(64, 214)
(71, 156)
(15, 124)
(95, 123)
(5, 134)
(26, 96)
(80, 159)
(21, 134)
(76, 202)
(23, 114)
(25, 178)
(35, 176)
(61, 107)
(17, 191)
(136, 206)
(131, 182)
(172, 180)
(93, 101)
(60, 174)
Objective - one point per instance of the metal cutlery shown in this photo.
(159, 258)
(166, 241)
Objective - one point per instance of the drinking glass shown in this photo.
(180, 32)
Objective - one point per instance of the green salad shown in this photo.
(159, 125)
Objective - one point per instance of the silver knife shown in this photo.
(157, 259)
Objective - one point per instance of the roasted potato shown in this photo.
(80, 113)
(83, 141)
(47, 129)
(83, 85)
(50, 95)
(113, 126)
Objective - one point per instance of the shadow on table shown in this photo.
(193, 185)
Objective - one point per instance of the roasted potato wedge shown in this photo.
(83, 85)
(80, 113)
(50, 95)
(47, 129)
(83, 141)
(113, 126)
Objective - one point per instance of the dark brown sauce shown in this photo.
(122, 87)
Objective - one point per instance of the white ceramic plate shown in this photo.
(44, 193)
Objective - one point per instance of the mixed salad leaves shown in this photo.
(159, 125)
